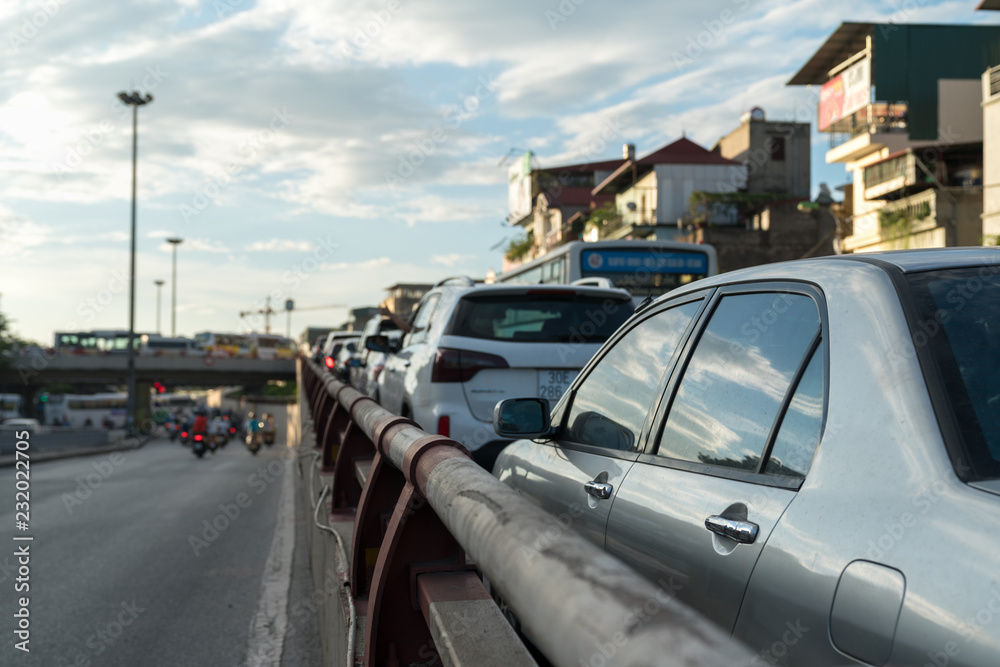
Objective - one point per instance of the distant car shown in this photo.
(19, 423)
(331, 347)
(368, 361)
(316, 351)
(470, 346)
(344, 357)
(807, 453)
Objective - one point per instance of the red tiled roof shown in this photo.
(683, 151)
(575, 196)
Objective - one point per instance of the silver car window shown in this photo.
(610, 405)
(799, 433)
(738, 376)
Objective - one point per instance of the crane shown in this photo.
(267, 311)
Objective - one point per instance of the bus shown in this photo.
(644, 268)
(158, 346)
(94, 342)
(226, 345)
(86, 409)
(269, 346)
(164, 405)
(10, 406)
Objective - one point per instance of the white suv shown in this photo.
(470, 346)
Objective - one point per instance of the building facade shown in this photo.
(901, 106)
(776, 154)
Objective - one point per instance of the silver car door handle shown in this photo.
(744, 532)
(600, 490)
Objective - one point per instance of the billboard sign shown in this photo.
(845, 93)
(519, 188)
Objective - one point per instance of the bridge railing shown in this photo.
(427, 522)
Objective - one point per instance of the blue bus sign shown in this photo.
(629, 261)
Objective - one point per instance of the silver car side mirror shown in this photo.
(522, 418)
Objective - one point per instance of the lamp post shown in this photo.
(159, 291)
(173, 288)
(135, 101)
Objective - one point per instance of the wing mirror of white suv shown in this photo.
(522, 418)
(379, 343)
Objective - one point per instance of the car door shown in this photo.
(603, 422)
(734, 437)
(394, 378)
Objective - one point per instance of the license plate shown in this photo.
(553, 384)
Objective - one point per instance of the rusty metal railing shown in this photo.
(428, 522)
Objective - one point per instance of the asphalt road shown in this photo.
(154, 557)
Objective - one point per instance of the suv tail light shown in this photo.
(444, 426)
(462, 365)
(330, 362)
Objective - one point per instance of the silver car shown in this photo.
(807, 453)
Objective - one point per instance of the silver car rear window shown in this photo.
(959, 311)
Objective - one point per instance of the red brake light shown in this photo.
(232, 429)
(197, 437)
(330, 362)
(444, 426)
(462, 365)
(184, 434)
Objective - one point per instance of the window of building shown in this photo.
(777, 149)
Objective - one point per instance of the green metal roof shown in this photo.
(908, 60)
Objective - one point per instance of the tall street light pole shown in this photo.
(159, 291)
(173, 289)
(135, 101)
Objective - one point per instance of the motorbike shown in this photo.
(254, 439)
(198, 444)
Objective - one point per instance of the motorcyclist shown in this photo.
(217, 429)
(200, 424)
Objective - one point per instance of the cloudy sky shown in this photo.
(321, 151)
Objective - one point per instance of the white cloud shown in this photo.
(453, 259)
(279, 245)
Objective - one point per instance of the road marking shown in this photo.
(270, 624)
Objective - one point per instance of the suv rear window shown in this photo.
(959, 312)
(540, 317)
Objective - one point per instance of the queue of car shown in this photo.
(807, 452)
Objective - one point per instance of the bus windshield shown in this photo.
(644, 272)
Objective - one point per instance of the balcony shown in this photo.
(852, 137)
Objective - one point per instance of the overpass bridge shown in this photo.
(27, 374)
(31, 371)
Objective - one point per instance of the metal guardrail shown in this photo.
(428, 520)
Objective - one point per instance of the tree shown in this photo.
(7, 342)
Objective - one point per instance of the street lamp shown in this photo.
(173, 289)
(159, 291)
(135, 101)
